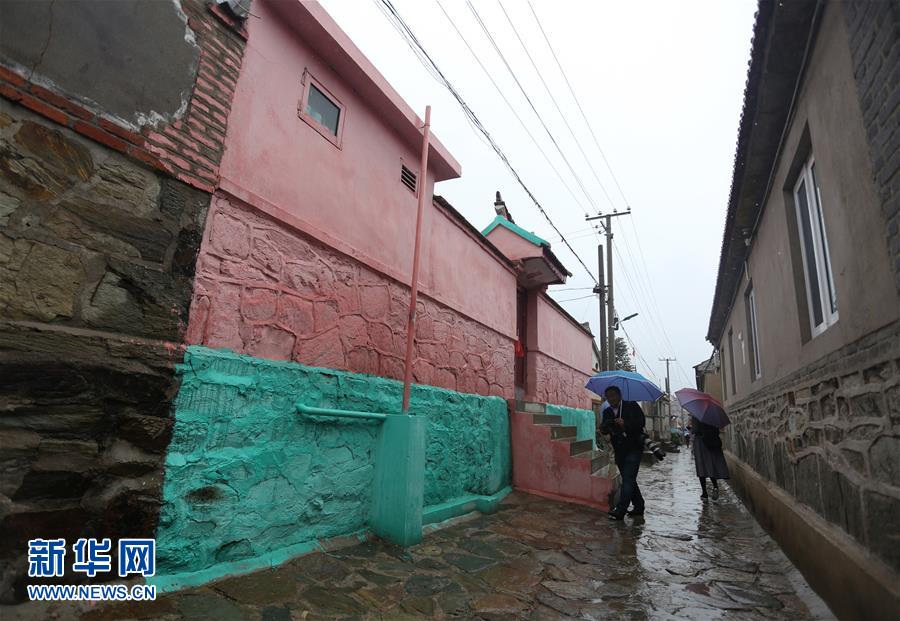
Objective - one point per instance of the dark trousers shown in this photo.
(629, 493)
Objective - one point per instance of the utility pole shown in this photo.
(610, 301)
(667, 360)
(600, 290)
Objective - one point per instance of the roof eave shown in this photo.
(768, 96)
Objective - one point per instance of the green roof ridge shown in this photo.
(515, 228)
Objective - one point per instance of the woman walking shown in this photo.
(708, 456)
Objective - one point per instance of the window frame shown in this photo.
(820, 250)
(731, 361)
(308, 81)
(753, 329)
(724, 377)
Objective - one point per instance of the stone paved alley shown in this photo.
(534, 559)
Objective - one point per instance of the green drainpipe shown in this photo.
(311, 411)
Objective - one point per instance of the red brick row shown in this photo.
(218, 65)
(211, 73)
(190, 148)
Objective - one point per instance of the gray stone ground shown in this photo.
(534, 559)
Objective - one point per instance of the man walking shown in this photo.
(624, 422)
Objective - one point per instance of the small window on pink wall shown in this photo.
(321, 110)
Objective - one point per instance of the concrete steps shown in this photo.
(599, 459)
(563, 432)
(549, 460)
(530, 407)
(546, 419)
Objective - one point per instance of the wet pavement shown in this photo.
(533, 559)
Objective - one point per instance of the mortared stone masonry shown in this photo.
(269, 291)
(102, 209)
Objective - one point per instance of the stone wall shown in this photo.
(267, 290)
(97, 256)
(556, 382)
(249, 479)
(829, 436)
(875, 49)
(100, 224)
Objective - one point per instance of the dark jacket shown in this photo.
(708, 434)
(631, 437)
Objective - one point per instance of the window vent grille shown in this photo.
(408, 178)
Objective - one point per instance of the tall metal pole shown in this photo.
(610, 300)
(601, 294)
(414, 286)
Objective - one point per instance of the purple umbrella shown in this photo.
(703, 407)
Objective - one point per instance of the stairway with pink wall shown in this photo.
(548, 460)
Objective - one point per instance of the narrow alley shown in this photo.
(533, 559)
(268, 353)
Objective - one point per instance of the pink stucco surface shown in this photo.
(514, 246)
(307, 254)
(545, 467)
(266, 290)
(559, 337)
(350, 196)
(559, 356)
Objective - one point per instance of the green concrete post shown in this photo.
(399, 490)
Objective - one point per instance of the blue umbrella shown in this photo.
(634, 386)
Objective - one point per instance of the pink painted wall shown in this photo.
(350, 197)
(546, 467)
(560, 338)
(559, 356)
(513, 246)
(265, 289)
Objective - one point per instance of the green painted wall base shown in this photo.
(399, 489)
(174, 582)
(461, 506)
(584, 420)
(250, 481)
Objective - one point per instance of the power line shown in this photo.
(642, 271)
(637, 298)
(578, 103)
(508, 104)
(637, 354)
(657, 329)
(639, 275)
(584, 297)
(644, 276)
(390, 12)
(642, 294)
(555, 103)
(512, 73)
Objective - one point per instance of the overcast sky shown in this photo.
(661, 84)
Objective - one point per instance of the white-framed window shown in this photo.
(820, 292)
(756, 366)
